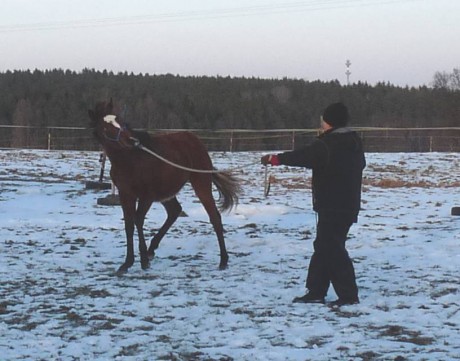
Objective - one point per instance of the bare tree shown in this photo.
(441, 80)
(455, 79)
(445, 80)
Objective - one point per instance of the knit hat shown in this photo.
(336, 115)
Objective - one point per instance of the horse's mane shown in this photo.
(144, 137)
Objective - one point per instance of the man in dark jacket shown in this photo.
(337, 160)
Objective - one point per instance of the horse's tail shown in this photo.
(229, 189)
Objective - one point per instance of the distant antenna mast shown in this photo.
(348, 72)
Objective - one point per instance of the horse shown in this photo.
(142, 179)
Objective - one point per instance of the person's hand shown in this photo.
(265, 160)
(270, 159)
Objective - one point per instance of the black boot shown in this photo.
(344, 302)
(308, 298)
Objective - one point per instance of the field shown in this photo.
(59, 250)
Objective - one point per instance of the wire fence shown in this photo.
(374, 139)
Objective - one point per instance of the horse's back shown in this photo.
(187, 139)
(185, 143)
(185, 147)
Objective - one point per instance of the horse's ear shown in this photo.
(110, 106)
(92, 117)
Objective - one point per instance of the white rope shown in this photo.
(139, 145)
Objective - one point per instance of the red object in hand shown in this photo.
(270, 159)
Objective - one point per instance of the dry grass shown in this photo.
(395, 183)
(305, 183)
(400, 183)
(291, 182)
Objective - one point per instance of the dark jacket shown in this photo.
(337, 160)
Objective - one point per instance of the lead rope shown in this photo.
(266, 182)
(140, 146)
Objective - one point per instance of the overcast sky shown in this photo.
(403, 42)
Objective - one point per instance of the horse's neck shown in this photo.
(116, 156)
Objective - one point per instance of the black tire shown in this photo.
(110, 200)
(98, 185)
(455, 211)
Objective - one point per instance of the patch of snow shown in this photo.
(59, 250)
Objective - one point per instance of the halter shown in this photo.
(117, 138)
(111, 119)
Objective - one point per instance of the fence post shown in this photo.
(431, 144)
(293, 140)
(231, 141)
(49, 139)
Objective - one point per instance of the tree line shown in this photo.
(61, 98)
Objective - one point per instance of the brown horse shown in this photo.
(142, 179)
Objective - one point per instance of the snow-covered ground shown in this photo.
(59, 250)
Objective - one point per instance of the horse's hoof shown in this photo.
(121, 271)
(145, 265)
(223, 262)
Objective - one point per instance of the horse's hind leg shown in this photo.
(173, 209)
(202, 184)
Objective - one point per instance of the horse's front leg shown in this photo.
(142, 209)
(128, 204)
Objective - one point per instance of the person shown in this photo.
(337, 161)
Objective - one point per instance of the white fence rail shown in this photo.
(375, 139)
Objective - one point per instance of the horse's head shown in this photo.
(109, 128)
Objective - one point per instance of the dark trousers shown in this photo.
(330, 262)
